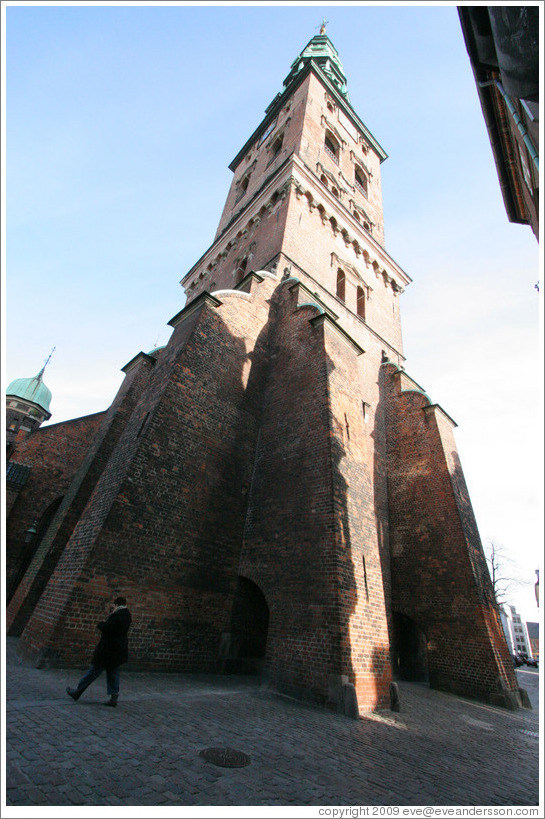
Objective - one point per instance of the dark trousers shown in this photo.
(112, 679)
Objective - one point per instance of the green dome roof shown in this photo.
(31, 389)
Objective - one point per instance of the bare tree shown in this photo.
(503, 570)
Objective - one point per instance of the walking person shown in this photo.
(111, 652)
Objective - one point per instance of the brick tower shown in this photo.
(271, 490)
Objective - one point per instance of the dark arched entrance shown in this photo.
(243, 649)
(409, 655)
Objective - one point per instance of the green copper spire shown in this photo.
(323, 52)
(32, 389)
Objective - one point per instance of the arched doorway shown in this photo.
(243, 649)
(409, 655)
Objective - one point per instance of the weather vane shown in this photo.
(322, 27)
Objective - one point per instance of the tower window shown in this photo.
(331, 146)
(341, 284)
(241, 271)
(360, 179)
(323, 180)
(360, 303)
(267, 131)
(243, 186)
(277, 145)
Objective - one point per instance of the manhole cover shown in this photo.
(226, 757)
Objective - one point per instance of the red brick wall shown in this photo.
(164, 524)
(439, 575)
(311, 517)
(54, 454)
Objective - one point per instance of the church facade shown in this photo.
(271, 490)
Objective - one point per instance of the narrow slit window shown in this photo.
(341, 284)
(360, 302)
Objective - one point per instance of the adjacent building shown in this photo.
(503, 46)
(533, 637)
(516, 632)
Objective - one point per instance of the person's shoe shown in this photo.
(112, 701)
(73, 692)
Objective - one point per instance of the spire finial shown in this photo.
(324, 24)
(40, 374)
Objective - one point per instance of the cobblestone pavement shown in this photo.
(438, 750)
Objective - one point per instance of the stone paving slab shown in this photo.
(438, 750)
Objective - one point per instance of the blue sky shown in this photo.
(120, 126)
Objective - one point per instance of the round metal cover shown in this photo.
(226, 757)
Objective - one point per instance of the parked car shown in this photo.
(518, 661)
(532, 662)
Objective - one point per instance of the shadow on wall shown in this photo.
(347, 591)
(29, 552)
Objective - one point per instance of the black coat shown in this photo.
(113, 648)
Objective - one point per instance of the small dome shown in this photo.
(31, 389)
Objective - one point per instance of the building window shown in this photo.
(277, 145)
(360, 180)
(341, 284)
(360, 302)
(267, 131)
(241, 271)
(323, 180)
(331, 146)
(242, 186)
